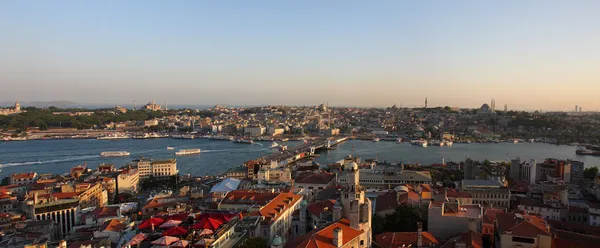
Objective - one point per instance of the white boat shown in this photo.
(183, 136)
(114, 136)
(449, 143)
(515, 141)
(15, 138)
(375, 139)
(421, 143)
(170, 148)
(285, 139)
(399, 140)
(274, 145)
(187, 152)
(531, 140)
(283, 148)
(115, 154)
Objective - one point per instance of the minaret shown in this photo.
(134, 105)
(166, 106)
(425, 102)
(356, 207)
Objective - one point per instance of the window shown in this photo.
(362, 242)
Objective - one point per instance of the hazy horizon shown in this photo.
(526, 54)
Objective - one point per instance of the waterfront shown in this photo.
(57, 156)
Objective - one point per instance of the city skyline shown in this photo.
(528, 55)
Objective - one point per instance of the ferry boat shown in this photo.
(187, 152)
(376, 139)
(274, 145)
(243, 141)
(15, 138)
(421, 143)
(284, 139)
(170, 148)
(114, 136)
(115, 154)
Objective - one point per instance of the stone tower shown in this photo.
(353, 205)
(17, 106)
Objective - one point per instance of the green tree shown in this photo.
(404, 219)
(254, 242)
(590, 173)
(5, 181)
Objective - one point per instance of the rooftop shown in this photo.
(403, 239)
(323, 238)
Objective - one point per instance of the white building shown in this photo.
(158, 169)
(448, 219)
(23, 178)
(277, 215)
(64, 213)
(128, 181)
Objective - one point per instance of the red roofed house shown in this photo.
(339, 234)
(241, 200)
(321, 213)
(314, 182)
(23, 178)
(406, 239)
(521, 230)
(489, 217)
(277, 216)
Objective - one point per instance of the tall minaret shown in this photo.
(134, 105)
(166, 106)
(425, 102)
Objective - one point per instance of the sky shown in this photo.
(526, 54)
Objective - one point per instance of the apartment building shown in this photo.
(487, 192)
(157, 169)
(128, 181)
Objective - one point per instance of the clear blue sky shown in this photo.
(527, 54)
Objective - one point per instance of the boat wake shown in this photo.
(49, 161)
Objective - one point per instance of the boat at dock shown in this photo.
(183, 136)
(421, 143)
(274, 145)
(449, 143)
(244, 141)
(376, 139)
(187, 152)
(170, 148)
(437, 143)
(399, 140)
(115, 154)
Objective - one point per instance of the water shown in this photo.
(58, 156)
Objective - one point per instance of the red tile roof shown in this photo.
(248, 197)
(25, 175)
(274, 209)
(527, 226)
(403, 239)
(319, 207)
(490, 215)
(315, 178)
(323, 238)
(114, 226)
(471, 239)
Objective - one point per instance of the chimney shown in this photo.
(472, 225)
(419, 234)
(337, 237)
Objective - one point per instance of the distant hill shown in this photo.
(38, 104)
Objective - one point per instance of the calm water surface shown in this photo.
(57, 156)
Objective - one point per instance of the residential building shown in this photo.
(64, 213)
(487, 192)
(238, 172)
(594, 214)
(550, 210)
(7, 203)
(245, 200)
(314, 183)
(128, 181)
(274, 175)
(448, 219)
(489, 218)
(254, 130)
(23, 178)
(521, 230)
(577, 169)
(277, 216)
